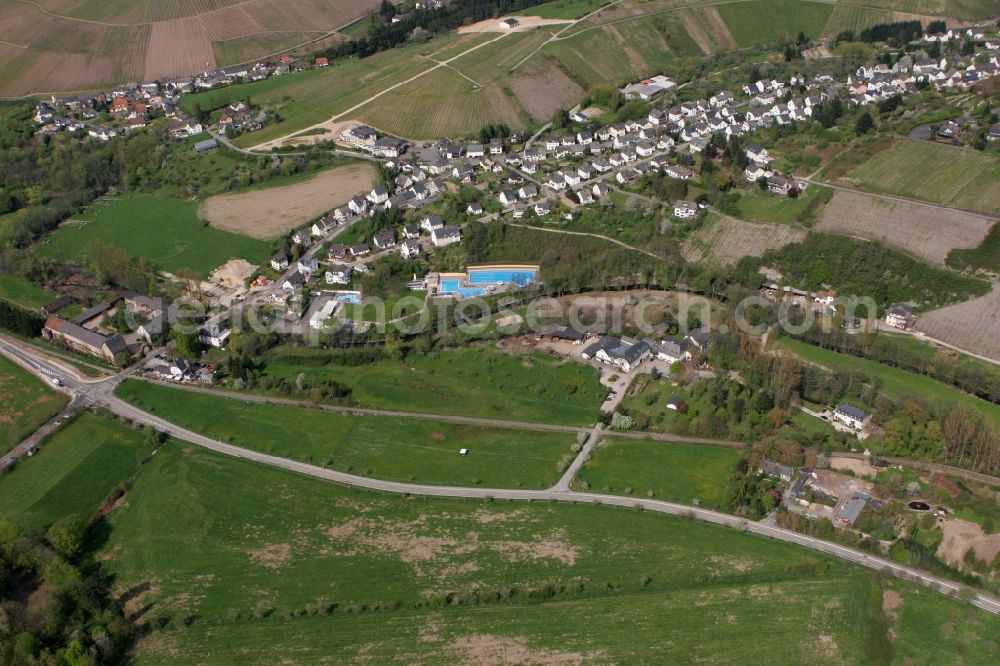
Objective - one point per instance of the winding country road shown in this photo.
(100, 394)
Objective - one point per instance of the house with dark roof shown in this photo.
(771, 468)
(620, 352)
(851, 416)
(900, 315)
(83, 340)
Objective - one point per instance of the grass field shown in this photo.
(672, 471)
(219, 541)
(958, 177)
(563, 9)
(854, 18)
(774, 21)
(165, 231)
(23, 293)
(27, 403)
(475, 381)
(72, 473)
(398, 449)
(765, 207)
(986, 255)
(895, 382)
(724, 240)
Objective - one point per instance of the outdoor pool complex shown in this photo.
(478, 280)
(348, 297)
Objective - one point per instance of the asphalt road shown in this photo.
(100, 394)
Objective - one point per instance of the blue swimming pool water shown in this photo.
(452, 286)
(348, 298)
(496, 276)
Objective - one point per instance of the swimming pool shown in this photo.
(520, 277)
(348, 297)
(453, 286)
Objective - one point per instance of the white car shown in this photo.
(57, 381)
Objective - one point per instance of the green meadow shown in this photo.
(165, 231)
(74, 470)
(472, 381)
(393, 448)
(671, 471)
(240, 561)
(27, 402)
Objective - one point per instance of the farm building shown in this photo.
(89, 342)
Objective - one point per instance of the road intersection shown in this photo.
(100, 393)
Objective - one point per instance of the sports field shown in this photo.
(946, 175)
(26, 402)
(672, 471)
(267, 563)
(165, 231)
(393, 448)
(474, 381)
(72, 473)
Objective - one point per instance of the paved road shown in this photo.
(99, 394)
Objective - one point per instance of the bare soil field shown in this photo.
(179, 47)
(960, 536)
(923, 231)
(724, 240)
(524, 23)
(971, 325)
(268, 212)
(76, 45)
(542, 88)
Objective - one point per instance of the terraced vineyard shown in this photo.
(774, 21)
(72, 45)
(923, 231)
(724, 240)
(937, 173)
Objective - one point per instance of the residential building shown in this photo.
(446, 236)
(851, 416)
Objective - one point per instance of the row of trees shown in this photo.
(20, 321)
(386, 35)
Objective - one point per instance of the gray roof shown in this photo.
(852, 510)
(847, 409)
(776, 469)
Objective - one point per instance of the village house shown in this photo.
(336, 252)
(410, 249)
(777, 470)
(446, 236)
(294, 282)
(432, 223)
(851, 416)
(279, 261)
(685, 209)
(620, 352)
(307, 264)
(338, 274)
(385, 240)
(900, 316)
(360, 250)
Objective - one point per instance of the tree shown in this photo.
(864, 124)
(188, 344)
(66, 535)
(560, 119)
